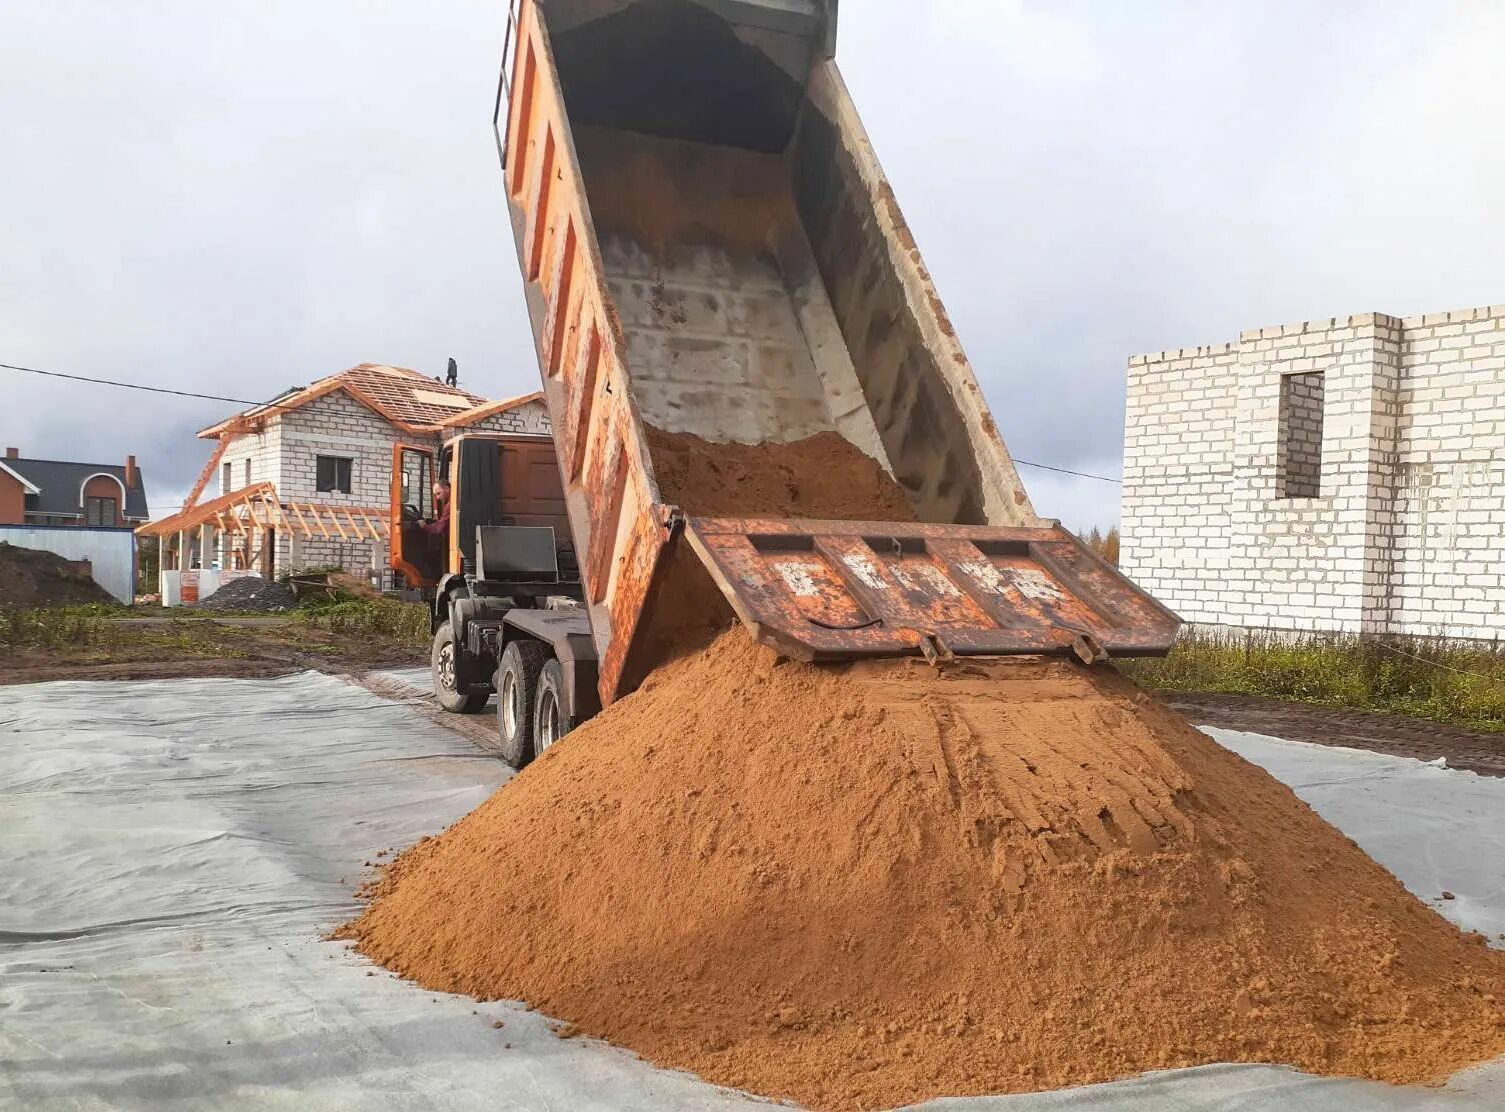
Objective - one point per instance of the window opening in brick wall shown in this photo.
(1300, 457)
(99, 511)
(225, 480)
(248, 474)
(334, 474)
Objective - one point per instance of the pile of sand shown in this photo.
(862, 886)
(30, 577)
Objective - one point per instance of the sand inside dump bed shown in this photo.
(823, 476)
(866, 885)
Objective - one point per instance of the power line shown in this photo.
(275, 405)
(139, 386)
(1067, 471)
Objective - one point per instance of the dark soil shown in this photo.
(30, 578)
(39, 668)
(1352, 729)
(159, 649)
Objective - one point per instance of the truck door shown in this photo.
(417, 554)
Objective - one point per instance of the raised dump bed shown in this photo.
(712, 251)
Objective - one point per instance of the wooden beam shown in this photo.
(363, 525)
(208, 472)
(376, 533)
(302, 524)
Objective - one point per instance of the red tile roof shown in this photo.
(409, 400)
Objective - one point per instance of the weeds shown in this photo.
(90, 633)
(386, 618)
(1461, 683)
(61, 628)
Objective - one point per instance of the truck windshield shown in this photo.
(418, 482)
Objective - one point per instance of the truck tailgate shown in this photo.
(829, 590)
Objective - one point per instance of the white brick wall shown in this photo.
(1404, 533)
(532, 418)
(286, 453)
(263, 451)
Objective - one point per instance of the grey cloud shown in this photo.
(242, 196)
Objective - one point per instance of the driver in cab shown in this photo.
(439, 526)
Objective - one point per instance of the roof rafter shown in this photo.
(256, 509)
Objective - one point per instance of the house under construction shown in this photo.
(304, 481)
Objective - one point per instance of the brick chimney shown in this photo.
(13, 453)
(131, 477)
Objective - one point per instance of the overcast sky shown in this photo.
(236, 197)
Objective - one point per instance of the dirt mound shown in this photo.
(32, 578)
(823, 476)
(867, 885)
(251, 593)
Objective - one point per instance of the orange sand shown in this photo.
(863, 886)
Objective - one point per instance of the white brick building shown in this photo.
(1342, 475)
(323, 455)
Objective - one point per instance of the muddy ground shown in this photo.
(171, 648)
(1353, 729)
(161, 648)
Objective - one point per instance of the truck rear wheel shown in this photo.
(551, 715)
(445, 668)
(516, 695)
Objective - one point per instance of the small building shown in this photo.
(80, 511)
(305, 480)
(1341, 475)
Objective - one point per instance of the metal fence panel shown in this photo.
(111, 552)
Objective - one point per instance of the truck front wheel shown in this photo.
(551, 715)
(516, 696)
(445, 666)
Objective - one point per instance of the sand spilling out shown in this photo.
(866, 885)
(858, 887)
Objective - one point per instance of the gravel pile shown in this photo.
(251, 593)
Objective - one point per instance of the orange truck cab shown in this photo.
(496, 562)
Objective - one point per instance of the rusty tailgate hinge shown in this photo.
(1086, 649)
(936, 651)
(671, 520)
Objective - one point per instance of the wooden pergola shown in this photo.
(251, 519)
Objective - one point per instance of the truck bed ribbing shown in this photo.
(710, 247)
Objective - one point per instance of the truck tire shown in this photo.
(517, 675)
(444, 667)
(551, 713)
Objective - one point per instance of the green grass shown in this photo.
(404, 622)
(90, 632)
(1461, 683)
(55, 629)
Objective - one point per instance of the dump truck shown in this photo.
(709, 247)
(501, 580)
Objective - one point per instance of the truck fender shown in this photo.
(569, 638)
(450, 588)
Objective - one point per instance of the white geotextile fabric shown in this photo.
(173, 853)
